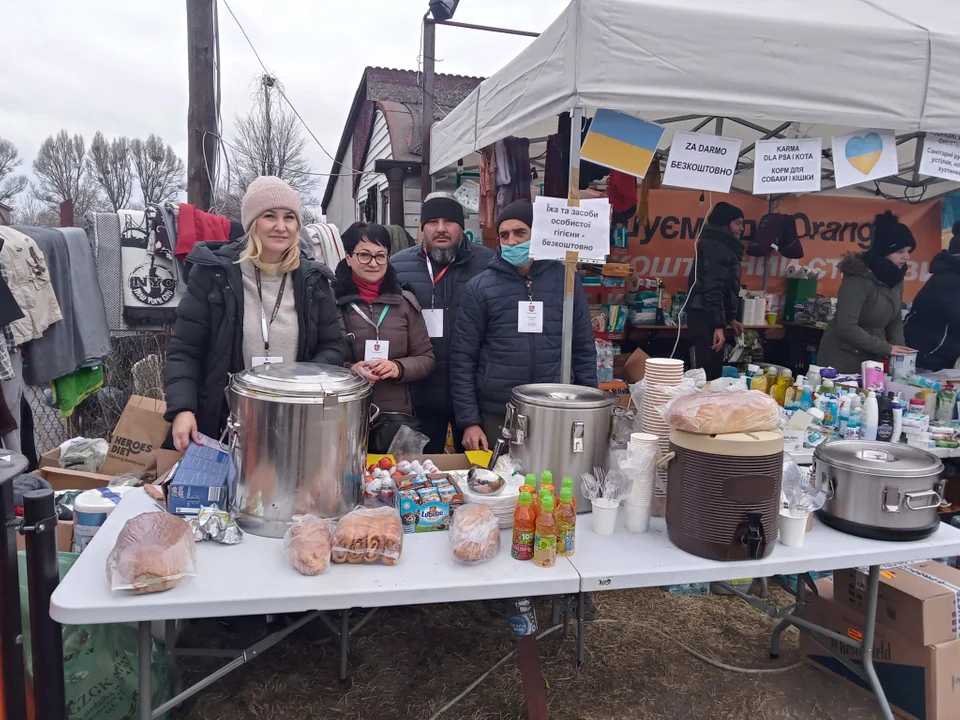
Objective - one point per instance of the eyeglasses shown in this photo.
(366, 258)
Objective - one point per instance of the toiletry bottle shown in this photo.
(813, 376)
(871, 417)
(897, 421)
(845, 402)
(853, 426)
(806, 399)
(784, 381)
(884, 419)
(791, 400)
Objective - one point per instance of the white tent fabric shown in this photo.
(852, 63)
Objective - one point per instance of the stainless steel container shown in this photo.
(298, 437)
(561, 428)
(879, 490)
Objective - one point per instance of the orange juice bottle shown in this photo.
(545, 537)
(567, 482)
(566, 519)
(530, 481)
(524, 527)
(546, 478)
(549, 487)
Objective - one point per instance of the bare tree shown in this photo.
(61, 168)
(111, 168)
(30, 210)
(159, 171)
(10, 185)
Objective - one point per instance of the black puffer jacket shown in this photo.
(489, 357)
(933, 325)
(716, 292)
(206, 345)
(433, 394)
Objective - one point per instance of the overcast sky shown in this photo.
(121, 67)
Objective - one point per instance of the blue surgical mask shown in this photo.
(516, 255)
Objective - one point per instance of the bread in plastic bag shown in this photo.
(154, 550)
(368, 535)
(475, 534)
(718, 413)
(308, 543)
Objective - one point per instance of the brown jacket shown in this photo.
(402, 327)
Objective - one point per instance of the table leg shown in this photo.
(344, 643)
(145, 656)
(581, 639)
(866, 646)
(785, 623)
(169, 646)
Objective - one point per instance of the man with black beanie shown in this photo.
(437, 272)
(714, 287)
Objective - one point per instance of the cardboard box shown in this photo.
(921, 683)
(919, 601)
(635, 367)
(620, 390)
(204, 477)
(62, 479)
(137, 438)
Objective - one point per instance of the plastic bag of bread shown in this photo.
(153, 552)
(368, 535)
(717, 413)
(475, 534)
(309, 542)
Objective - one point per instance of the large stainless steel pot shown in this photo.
(561, 428)
(879, 490)
(298, 437)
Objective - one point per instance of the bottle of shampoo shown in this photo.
(871, 417)
(884, 419)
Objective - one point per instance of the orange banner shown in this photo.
(829, 228)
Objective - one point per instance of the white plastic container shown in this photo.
(871, 417)
(638, 515)
(903, 366)
(604, 516)
(90, 511)
(792, 528)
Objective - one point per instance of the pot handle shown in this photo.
(910, 496)
(232, 429)
(508, 421)
(665, 460)
(374, 412)
(822, 481)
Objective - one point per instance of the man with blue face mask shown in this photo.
(508, 331)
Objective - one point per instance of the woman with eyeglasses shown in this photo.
(386, 338)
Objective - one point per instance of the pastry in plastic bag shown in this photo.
(368, 535)
(718, 413)
(308, 543)
(153, 552)
(475, 535)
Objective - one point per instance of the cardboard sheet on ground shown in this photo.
(702, 162)
(559, 228)
(864, 155)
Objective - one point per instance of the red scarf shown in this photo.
(369, 292)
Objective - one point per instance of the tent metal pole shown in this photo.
(573, 199)
(918, 156)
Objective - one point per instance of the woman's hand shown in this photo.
(365, 370)
(719, 340)
(474, 438)
(902, 350)
(385, 369)
(185, 430)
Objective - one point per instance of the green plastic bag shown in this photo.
(100, 667)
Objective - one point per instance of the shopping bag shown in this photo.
(137, 438)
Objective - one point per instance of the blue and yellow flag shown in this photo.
(621, 142)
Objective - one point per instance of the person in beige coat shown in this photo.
(387, 339)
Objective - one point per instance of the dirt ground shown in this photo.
(407, 663)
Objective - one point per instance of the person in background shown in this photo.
(933, 325)
(713, 300)
(387, 341)
(868, 324)
(509, 331)
(437, 271)
(248, 302)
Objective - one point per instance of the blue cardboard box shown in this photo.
(204, 477)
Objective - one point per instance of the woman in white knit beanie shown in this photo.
(249, 303)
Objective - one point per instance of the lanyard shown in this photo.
(433, 282)
(264, 325)
(529, 289)
(371, 323)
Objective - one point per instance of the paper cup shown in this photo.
(792, 529)
(604, 516)
(771, 318)
(638, 516)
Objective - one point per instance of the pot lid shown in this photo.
(878, 458)
(557, 395)
(301, 380)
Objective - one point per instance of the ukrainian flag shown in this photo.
(621, 142)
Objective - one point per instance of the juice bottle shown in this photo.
(546, 478)
(551, 488)
(531, 482)
(567, 482)
(524, 527)
(545, 536)
(566, 519)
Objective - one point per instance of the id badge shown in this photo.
(265, 360)
(530, 316)
(376, 350)
(433, 319)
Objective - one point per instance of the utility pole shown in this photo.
(426, 123)
(268, 82)
(202, 109)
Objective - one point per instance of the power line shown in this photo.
(246, 154)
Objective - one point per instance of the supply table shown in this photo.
(627, 560)
(255, 578)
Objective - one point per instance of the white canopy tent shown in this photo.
(776, 68)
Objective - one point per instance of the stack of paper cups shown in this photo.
(642, 452)
(659, 373)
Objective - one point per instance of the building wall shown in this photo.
(379, 150)
(342, 210)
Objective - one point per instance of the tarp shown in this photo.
(843, 63)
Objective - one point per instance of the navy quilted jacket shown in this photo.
(489, 357)
(433, 394)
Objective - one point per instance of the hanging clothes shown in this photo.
(622, 191)
(91, 331)
(521, 177)
(13, 398)
(29, 281)
(148, 281)
(488, 188)
(71, 390)
(326, 242)
(103, 232)
(195, 226)
(399, 239)
(555, 168)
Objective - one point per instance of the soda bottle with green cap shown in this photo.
(567, 482)
(546, 478)
(566, 520)
(545, 536)
(524, 527)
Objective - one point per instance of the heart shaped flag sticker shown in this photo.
(863, 152)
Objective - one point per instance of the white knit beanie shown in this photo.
(266, 193)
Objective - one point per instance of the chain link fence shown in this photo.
(134, 367)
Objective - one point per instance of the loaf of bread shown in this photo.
(718, 413)
(308, 543)
(368, 535)
(475, 534)
(153, 552)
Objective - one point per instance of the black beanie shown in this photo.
(520, 210)
(437, 208)
(890, 235)
(954, 248)
(724, 213)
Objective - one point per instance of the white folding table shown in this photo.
(255, 578)
(636, 560)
